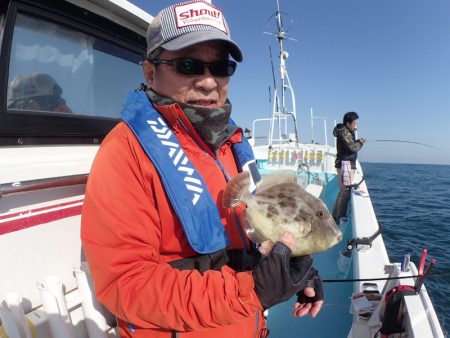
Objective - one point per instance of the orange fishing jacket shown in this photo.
(130, 232)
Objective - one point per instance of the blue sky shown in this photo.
(387, 60)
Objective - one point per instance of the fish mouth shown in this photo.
(338, 235)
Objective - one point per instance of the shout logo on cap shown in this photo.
(199, 13)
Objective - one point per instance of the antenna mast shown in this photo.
(280, 113)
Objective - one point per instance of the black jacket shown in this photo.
(346, 144)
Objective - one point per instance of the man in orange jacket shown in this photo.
(168, 260)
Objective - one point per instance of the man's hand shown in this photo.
(311, 299)
(266, 247)
(307, 299)
(277, 276)
(302, 309)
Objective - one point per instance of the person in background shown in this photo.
(347, 152)
(167, 259)
(37, 91)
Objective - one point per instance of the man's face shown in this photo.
(352, 126)
(202, 90)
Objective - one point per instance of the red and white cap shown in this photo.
(188, 23)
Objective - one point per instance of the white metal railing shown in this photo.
(324, 118)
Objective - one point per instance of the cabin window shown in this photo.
(59, 70)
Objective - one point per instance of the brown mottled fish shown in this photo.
(280, 204)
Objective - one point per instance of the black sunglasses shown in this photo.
(192, 67)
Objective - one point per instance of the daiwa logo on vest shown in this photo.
(179, 158)
(199, 13)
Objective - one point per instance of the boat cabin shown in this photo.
(66, 67)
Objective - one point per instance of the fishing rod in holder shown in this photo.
(280, 113)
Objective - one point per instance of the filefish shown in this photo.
(281, 204)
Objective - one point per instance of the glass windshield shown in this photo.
(54, 68)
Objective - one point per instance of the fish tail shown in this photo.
(236, 189)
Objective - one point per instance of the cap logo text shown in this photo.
(199, 13)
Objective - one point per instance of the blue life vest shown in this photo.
(184, 186)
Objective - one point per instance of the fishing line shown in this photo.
(446, 273)
(403, 141)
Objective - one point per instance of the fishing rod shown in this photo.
(403, 141)
(445, 273)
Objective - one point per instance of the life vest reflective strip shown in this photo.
(184, 185)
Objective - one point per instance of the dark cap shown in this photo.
(188, 23)
(36, 84)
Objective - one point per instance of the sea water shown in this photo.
(412, 202)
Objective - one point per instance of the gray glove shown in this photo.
(278, 277)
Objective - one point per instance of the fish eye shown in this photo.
(320, 213)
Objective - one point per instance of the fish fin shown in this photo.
(280, 176)
(305, 229)
(251, 231)
(235, 190)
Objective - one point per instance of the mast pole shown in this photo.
(280, 113)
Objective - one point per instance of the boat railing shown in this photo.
(40, 184)
(325, 132)
(369, 256)
(284, 138)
